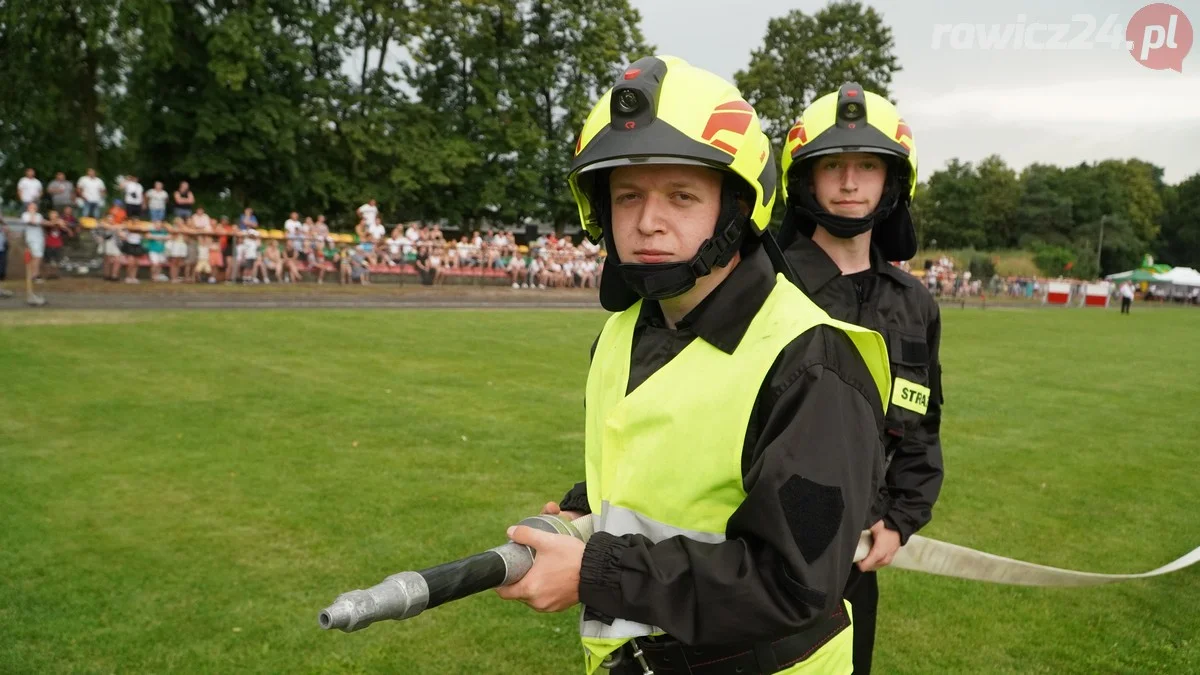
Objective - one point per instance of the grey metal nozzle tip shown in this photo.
(400, 596)
(337, 615)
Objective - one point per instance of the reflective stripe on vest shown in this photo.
(691, 416)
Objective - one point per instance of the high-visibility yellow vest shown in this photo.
(691, 413)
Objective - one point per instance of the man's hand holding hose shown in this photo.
(884, 545)
(552, 584)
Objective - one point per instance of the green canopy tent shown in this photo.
(1138, 275)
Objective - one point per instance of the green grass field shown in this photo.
(184, 491)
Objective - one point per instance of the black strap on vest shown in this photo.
(765, 656)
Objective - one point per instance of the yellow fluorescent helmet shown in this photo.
(665, 111)
(851, 120)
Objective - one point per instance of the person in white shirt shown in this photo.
(292, 227)
(406, 247)
(201, 221)
(35, 245)
(1126, 297)
(92, 190)
(534, 270)
(134, 192)
(369, 213)
(376, 231)
(516, 270)
(321, 231)
(567, 279)
(395, 249)
(29, 188)
(156, 202)
(248, 254)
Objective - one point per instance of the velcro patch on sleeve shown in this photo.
(813, 512)
(910, 395)
(914, 351)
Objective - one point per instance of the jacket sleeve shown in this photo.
(788, 547)
(576, 499)
(914, 477)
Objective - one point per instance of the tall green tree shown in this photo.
(463, 69)
(805, 56)
(514, 80)
(224, 98)
(1121, 197)
(255, 99)
(994, 210)
(62, 64)
(1044, 212)
(1180, 240)
(948, 206)
(573, 53)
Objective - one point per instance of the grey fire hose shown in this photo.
(407, 594)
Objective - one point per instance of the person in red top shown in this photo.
(56, 231)
(117, 214)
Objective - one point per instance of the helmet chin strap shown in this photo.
(661, 281)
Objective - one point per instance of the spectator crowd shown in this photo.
(173, 237)
(176, 241)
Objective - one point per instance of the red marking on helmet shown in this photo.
(725, 146)
(903, 130)
(736, 105)
(579, 144)
(736, 122)
(797, 132)
(733, 116)
(852, 125)
(632, 73)
(762, 155)
(630, 124)
(852, 92)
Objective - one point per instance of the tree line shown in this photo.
(1084, 220)
(467, 111)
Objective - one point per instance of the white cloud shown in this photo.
(1134, 103)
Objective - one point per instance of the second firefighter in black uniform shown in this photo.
(850, 171)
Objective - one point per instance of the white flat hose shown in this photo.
(931, 556)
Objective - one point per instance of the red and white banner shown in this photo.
(1097, 294)
(1058, 293)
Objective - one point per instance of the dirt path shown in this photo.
(96, 294)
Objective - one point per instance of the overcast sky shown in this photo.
(1051, 106)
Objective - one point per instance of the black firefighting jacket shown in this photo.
(895, 304)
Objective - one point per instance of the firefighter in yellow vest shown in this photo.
(732, 428)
